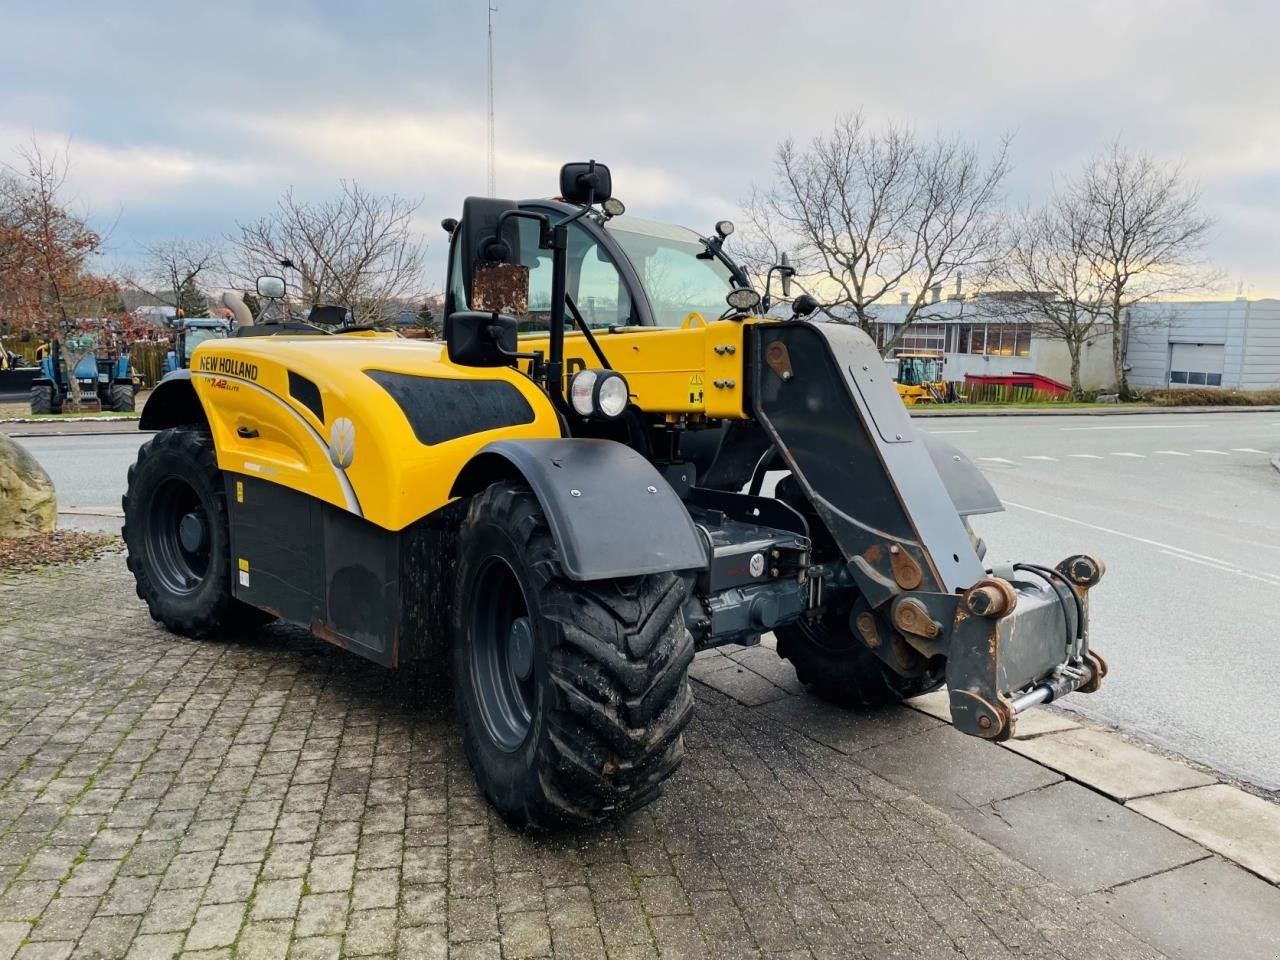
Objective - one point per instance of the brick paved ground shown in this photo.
(275, 797)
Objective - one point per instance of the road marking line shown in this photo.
(1113, 532)
(1249, 450)
(995, 460)
(940, 432)
(1174, 453)
(1234, 571)
(1221, 453)
(1087, 456)
(1140, 456)
(1216, 564)
(1137, 426)
(1036, 457)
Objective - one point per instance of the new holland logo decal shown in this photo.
(229, 366)
(342, 443)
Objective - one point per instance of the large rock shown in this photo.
(27, 501)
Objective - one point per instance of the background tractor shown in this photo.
(16, 375)
(565, 499)
(104, 377)
(187, 334)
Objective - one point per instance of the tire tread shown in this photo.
(618, 667)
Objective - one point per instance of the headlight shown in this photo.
(601, 394)
(611, 395)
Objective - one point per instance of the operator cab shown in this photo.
(918, 369)
(621, 272)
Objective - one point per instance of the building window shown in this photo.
(995, 339)
(924, 336)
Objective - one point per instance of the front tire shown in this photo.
(572, 697)
(837, 666)
(828, 656)
(177, 535)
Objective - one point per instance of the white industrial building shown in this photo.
(1205, 343)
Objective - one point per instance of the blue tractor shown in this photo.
(103, 378)
(189, 333)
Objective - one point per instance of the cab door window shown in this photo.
(592, 280)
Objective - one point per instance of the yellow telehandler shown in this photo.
(564, 500)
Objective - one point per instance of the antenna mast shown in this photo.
(493, 188)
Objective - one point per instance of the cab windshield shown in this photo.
(915, 371)
(194, 338)
(679, 274)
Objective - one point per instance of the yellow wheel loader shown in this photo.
(565, 499)
(918, 377)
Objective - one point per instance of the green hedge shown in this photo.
(1193, 397)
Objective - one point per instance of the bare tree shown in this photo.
(1146, 236)
(45, 277)
(869, 214)
(172, 270)
(1050, 272)
(356, 250)
(46, 251)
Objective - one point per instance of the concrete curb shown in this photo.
(1221, 818)
(68, 430)
(1119, 410)
(62, 419)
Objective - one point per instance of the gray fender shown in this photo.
(970, 490)
(173, 403)
(610, 511)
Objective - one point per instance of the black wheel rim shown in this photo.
(178, 537)
(502, 655)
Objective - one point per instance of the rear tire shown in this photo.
(42, 398)
(120, 397)
(572, 697)
(177, 535)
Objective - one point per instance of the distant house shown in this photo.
(1206, 343)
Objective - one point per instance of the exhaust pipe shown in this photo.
(235, 303)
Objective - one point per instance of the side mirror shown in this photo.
(475, 339)
(786, 272)
(272, 288)
(486, 237)
(588, 182)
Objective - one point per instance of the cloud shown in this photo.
(197, 116)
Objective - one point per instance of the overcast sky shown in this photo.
(186, 117)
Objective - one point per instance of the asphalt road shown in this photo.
(87, 471)
(1185, 510)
